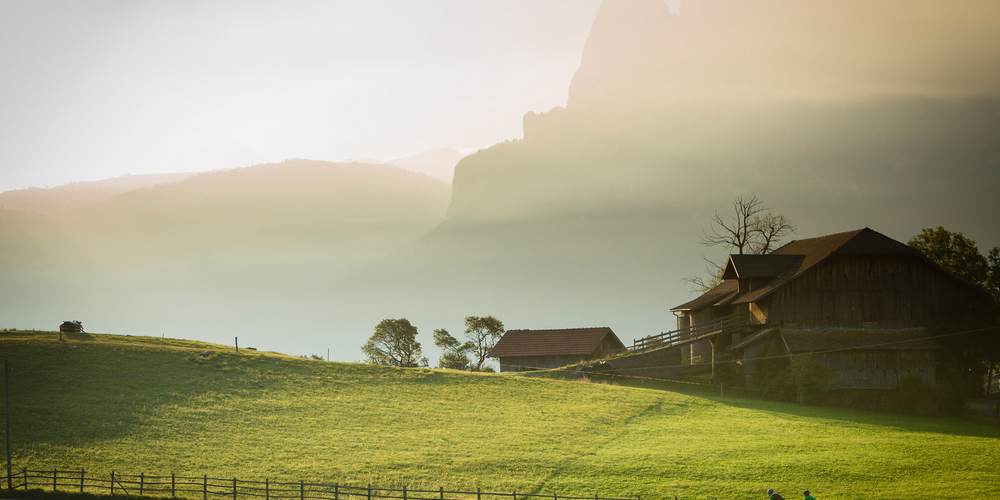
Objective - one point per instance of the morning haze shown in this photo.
(600, 139)
(499, 249)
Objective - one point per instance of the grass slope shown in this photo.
(144, 404)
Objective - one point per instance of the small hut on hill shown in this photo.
(71, 327)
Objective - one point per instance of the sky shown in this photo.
(103, 88)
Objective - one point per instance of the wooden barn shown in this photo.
(867, 304)
(520, 350)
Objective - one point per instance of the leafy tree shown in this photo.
(954, 252)
(992, 281)
(483, 334)
(394, 343)
(977, 356)
(455, 354)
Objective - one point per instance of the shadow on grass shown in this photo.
(953, 426)
(78, 392)
(939, 425)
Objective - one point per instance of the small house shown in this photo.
(520, 350)
(71, 327)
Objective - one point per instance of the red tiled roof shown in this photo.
(566, 342)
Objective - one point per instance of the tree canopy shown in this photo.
(455, 353)
(960, 255)
(483, 333)
(394, 343)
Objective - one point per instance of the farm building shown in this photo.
(864, 303)
(71, 327)
(520, 350)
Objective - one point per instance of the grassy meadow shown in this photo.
(135, 404)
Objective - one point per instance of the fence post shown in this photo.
(142, 482)
(369, 491)
(25, 472)
(55, 474)
(479, 493)
(82, 473)
(234, 488)
(204, 487)
(302, 490)
(112, 483)
(442, 493)
(173, 485)
(404, 492)
(267, 489)
(336, 491)
(515, 495)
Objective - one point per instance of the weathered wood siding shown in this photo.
(870, 291)
(878, 369)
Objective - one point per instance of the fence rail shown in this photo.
(673, 337)
(206, 487)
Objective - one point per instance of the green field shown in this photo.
(143, 404)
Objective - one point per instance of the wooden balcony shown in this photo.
(733, 323)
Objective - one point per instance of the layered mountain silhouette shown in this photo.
(438, 163)
(61, 200)
(837, 114)
(209, 251)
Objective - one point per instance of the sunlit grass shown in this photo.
(144, 404)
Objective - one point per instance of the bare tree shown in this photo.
(711, 279)
(770, 229)
(750, 228)
(737, 230)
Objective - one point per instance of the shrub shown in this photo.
(810, 377)
(729, 373)
(771, 377)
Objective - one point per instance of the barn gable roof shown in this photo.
(760, 266)
(564, 342)
(795, 259)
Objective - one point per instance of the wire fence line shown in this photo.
(206, 487)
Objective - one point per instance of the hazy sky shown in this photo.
(98, 89)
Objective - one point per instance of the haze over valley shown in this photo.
(592, 215)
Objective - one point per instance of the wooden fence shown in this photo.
(205, 487)
(674, 337)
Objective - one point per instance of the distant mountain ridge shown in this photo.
(438, 163)
(61, 199)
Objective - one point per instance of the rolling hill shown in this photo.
(135, 404)
(257, 248)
